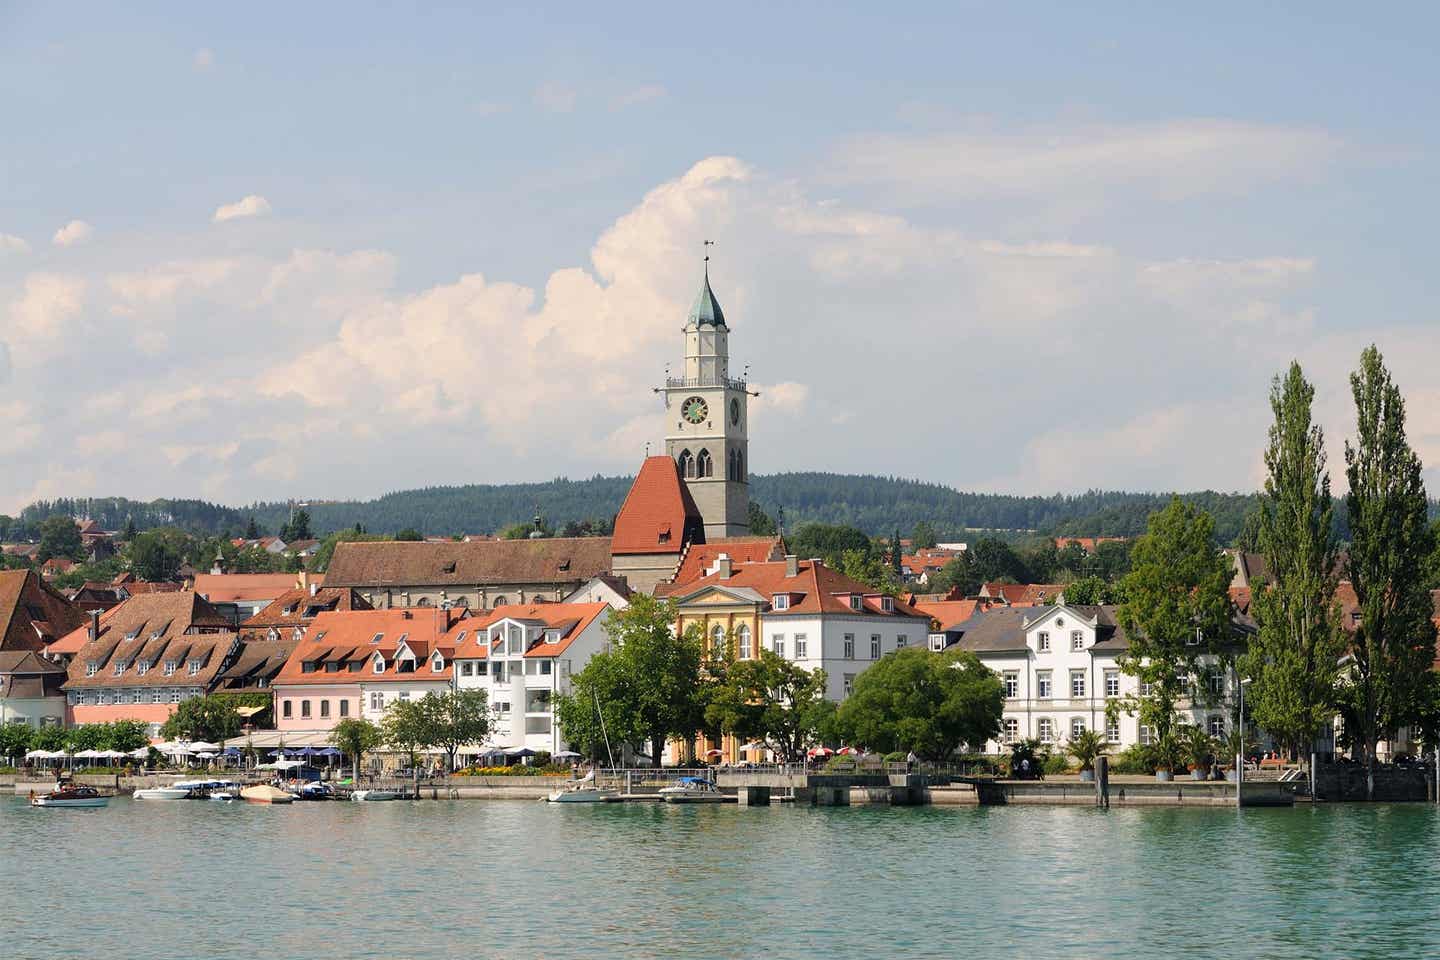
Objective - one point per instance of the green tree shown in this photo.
(1091, 591)
(771, 699)
(1394, 642)
(49, 738)
(298, 527)
(647, 685)
(761, 523)
(929, 703)
(355, 737)
(252, 530)
(897, 564)
(405, 727)
(125, 735)
(828, 542)
(59, 537)
(1176, 610)
(923, 536)
(129, 532)
(153, 556)
(869, 570)
(1293, 659)
(453, 719)
(410, 534)
(957, 574)
(992, 560)
(210, 718)
(15, 739)
(1112, 559)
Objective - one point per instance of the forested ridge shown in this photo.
(876, 504)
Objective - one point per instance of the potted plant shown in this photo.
(1198, 749)
(1025, 760)
(1235, 743)
(1085, 747)
(1167, 754)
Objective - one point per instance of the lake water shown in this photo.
(525, 879)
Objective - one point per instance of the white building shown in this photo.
(1060, 668)
(523, 656)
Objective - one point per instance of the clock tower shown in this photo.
(707, 414)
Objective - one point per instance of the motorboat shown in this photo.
(223, 795)
(265, 793)
(312, 791)
(372, 796)
(583, 790)
(172, 792)
(692, 790)
(70, 795)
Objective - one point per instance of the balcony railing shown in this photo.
(679, 383)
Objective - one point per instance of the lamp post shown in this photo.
(1240, 756)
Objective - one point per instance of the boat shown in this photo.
(583, 790)
(222, 795)
(692, 790)
(374, 795)
(172, 792)
(312, 791)
(70, 795)
(265, 793)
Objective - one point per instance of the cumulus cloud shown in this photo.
(251, 206)
(9, 243)
(47, 304)
(74, 232)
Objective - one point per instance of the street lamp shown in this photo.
(1240, 754)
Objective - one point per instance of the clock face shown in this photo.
(735, 412)
(695, 409)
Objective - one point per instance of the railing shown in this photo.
(688, 382)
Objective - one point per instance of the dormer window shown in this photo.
(781, 601)
(460, 640)
(288, 610)
(437, 663)
(119, 669)
(552, 636)
(194, 666)
(272, 635)
(307, 666)
(375, 639)
(170, 666)
(378, 665)
(857, 602)
(91, 668)
(142, 668)
(887, 604)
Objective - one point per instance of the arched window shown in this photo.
(423, 602)
(499, 602)
(739, 466)
(717, 639)
(704, 466)
(686, 464)
(742, 635)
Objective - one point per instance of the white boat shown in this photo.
(692, 790)
(222, 795)
(583, 790)
(70, 795)
(172, 792)
(374, 795)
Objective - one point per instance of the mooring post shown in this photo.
(1102, 782)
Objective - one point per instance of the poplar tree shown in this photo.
(1294, 658)
(1394, 641)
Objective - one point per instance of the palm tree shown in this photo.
(1085, 746)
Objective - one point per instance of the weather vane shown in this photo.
(707, 246)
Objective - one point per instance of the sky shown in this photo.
(259, 252)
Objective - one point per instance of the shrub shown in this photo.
(1053, 763)
(896, 756)
(1139, 759)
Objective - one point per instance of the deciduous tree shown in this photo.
(453, 719)
(59, 537)
(355, 737)
(1293, 659)
(203, 718)
(929, 703)
(772, 699)
(1394, 641)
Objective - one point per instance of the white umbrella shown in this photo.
(39, 755)
(207, 754)
(140, 753)
(203, 746)
(114, 754)
(566, 755)
(88, 755)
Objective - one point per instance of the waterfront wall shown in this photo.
(1346, 781)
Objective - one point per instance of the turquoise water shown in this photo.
(521, 879)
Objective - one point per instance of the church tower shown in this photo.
(708, 419)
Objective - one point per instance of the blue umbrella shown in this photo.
(328, 752)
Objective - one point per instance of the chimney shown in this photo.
(723, 566)
(94, 624)
(792, 565)
(314, 588)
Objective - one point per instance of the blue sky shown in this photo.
(1023, 249)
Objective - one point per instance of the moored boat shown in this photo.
(265, 793)
(692, 790)
(172, 792)
(70, 795)
(583, 790)
(374, 795)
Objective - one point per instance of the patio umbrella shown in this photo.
(139, 753)
(203, 745)
(231, 752)
(88, 755)
(755, 745)
(713, 753)
(849, 751)
(329, 752)
(39, 755)
(114, 754)
(566, 755)
(821, 752)
(207, 754)
(519, 752)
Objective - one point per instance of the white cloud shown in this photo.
(642, 94)
(251, 206)
(46, 306)
(9, 243)
(74, 232)
(555, 98)
(204, 59)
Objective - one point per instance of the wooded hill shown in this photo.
(877, 505)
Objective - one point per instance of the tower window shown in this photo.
(686, 463)
(704, 466)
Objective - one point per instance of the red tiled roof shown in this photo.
(930, 560)
(146, 611)
(1088, 544)
(1024, 594)
(551, 560)
(236, 587)
(658, 511)
(468, 637)
(951, 613)
(814, 589)
(304, 607)
(701, 556)
(32, 613)
(151, 630)
(342, 636)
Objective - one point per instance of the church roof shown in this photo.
(657, 513)
(706, 311)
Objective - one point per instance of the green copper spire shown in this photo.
(706, 311)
